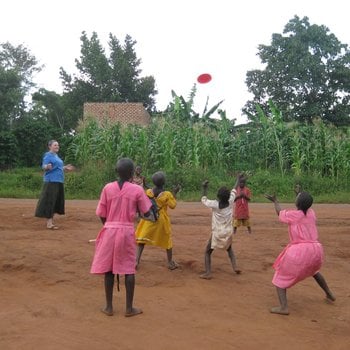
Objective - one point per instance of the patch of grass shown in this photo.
(20, 183)
(88, 182)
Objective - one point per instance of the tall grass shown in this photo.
(190, 151)
(277, 155)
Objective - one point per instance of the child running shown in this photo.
(303, 256)
(221, 226)
(158, 233)
(241, 211)
(115, 244)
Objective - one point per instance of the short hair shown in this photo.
(49, 144)
(158, 178)
(223, 194)
(304, 201)
(125, 168)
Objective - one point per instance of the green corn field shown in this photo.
(191, 150)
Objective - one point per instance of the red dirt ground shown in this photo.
(50, 301)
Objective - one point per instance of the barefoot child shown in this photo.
(221, 227)
(241, 209)
(303, 256)
(115, 244)
(158, 233)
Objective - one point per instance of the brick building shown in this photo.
(113, 112)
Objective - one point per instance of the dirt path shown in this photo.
(50, 301)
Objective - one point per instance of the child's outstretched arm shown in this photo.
(176, 189)
(205, 185)
(238, 177)
(273, 199)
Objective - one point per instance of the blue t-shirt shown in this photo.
(56, 174)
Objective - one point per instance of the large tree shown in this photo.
(17, 67)
(306, 73)
(126, 81)
(107, 78)
(10, 97)
(54, 109)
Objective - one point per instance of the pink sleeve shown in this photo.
(289, 216)
(101, 209)
(143, 202)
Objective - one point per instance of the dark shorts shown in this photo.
(51, 200)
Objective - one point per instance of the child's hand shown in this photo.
(177, 188)
(48, 166)
(205, 185)
(270, 197)
(297, 189)
(238, 178)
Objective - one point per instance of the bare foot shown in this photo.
(173, 265)
(108, 312)
(206, 276)
(134, 311)
(278, 310)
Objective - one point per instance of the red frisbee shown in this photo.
(204, 78)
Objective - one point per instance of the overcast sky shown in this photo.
(176, 40)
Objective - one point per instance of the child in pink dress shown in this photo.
(303, 256)
(115, 251)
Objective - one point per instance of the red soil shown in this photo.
(50, 301)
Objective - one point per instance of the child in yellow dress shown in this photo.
(158, 233)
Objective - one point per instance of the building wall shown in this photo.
(125, 113)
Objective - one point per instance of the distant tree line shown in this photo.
(306, 74)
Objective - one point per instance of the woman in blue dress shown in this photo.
(51, 200)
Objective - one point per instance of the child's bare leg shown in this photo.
(234, 230)
(109, 284)
(130, 287)
(139, 253)
(232, 257)
(172, 265)
(249, 229)
(207, 262)
(282, 297)
(323, 284)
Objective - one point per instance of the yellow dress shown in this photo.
(157, 233)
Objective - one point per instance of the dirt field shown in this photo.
(50, 301)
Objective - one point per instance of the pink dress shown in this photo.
(303, 256)
(115, 248)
